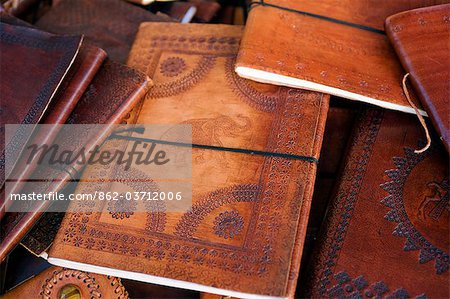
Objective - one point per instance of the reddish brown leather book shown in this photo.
(57, 282)
(81, 73)
(108, 24)
(109, 98)
(34, 63)
(387, 229)
(247, 240)
(336, 47)
(420, 38)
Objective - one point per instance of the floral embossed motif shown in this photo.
(228, 224)
(122, 208)
(172, 66)
(414, 216)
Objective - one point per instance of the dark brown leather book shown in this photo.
(79, 76)
(57, 282)
(252, 175)
(109, 98)
(34, 63)
(387, 229)
(332, 46)
(420, 38)
(108, 24)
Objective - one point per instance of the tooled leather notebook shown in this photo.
(336, 47)
(421, 39)
(387, 230)
(244, 234)
(57, 282)
(109, 98)
(26, 95)
(108, 24)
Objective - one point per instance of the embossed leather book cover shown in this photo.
(27, 94)
(244, 234)
(57, 282)
(108, 24)
(114, 91)
(421, 39)
(332, 46)
(387, 230)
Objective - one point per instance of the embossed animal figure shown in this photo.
(211, 131)
(440, 197)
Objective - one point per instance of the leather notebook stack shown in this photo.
(340, 48)
(288, 195)
(108, 24)
(386, 232)
(244, 234)
(77, 85)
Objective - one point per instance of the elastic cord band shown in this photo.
(253, 4)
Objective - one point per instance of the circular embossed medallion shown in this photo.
(228, 224)
(419, 202)
(172, 66)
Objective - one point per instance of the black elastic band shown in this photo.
(219, 148)
(337, 21)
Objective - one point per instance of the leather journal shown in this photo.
(109, 98)
(57, 282)
(108, 24)
(335, 47)
(36, 64)
(421, 39)
(79, 76)
(251, 192)
(387, 230)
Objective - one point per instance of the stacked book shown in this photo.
(298, 189)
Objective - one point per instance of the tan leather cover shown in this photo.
(108, 24)
(115, 90)
(264, 199)
(49, 284)
(387, 229)
(356, 62)
(421, 39)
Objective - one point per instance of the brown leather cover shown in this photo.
(34, 63)
(387, 230)
(316, 47)
(265, 199)
(81, 73)
(49, 284)
(110, 96)
(206, 10)
(421, 39)
(108, 24)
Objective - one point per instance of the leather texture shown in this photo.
(80, 74)
(317, 47)
(387, 229)
(108, 24)
(50, 283)
(265, 199)
(420, 38)
(36, 63)
(109, 98)
(206, 10)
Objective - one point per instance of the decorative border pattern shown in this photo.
(405, 228)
